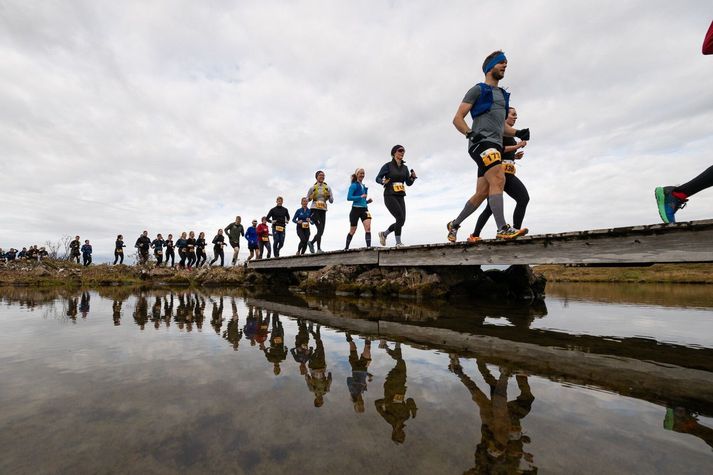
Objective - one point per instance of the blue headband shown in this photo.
(491, 64)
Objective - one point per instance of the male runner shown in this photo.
(487, 104)
(672, 198)
(234, 231)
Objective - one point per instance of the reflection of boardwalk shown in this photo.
(566, 358)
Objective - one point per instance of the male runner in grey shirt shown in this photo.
(487, 104)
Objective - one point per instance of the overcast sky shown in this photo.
(117, 117)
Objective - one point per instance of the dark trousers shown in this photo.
(517, 191)
(303, 234)
(319, 219)
(118, 256)
(264, 245)
(191, 258)
(182, 255)
(218, 252)
(397, 207)
(278, 241)
(202, 257)
(86, 259)
(159, 258)
(172, 255)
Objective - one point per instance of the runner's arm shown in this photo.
(459, 119)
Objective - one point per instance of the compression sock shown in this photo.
(701, 182)
(496, 206)
(468, 209)
(398, 238)
(349, 240)
(367, 236)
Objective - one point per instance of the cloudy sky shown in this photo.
(168, 116)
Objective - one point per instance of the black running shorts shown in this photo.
(486, 155)
(358, 213)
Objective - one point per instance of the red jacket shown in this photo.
(262, 230)
(708, 42)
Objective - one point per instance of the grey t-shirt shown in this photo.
(490, 125)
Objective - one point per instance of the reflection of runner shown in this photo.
(216, 320)
(360, 375)
(250, 327)
(141, 311)
(233, 334)
(670, 199)
(84, 304)
(116, 312)
(277, 352)
(680, 419)
(501, 448)
(318, 380)
(394, 407)
(302, 352)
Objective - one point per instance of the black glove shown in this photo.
(523, 134)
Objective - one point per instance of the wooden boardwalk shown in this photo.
(688, 242)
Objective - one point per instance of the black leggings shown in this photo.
(200, 252)
(303, 234)
(517, 191)
(118, 256)
(170, 253)
(191, 258)
(218, 252)
(699, 183)
(319, 218)
(159, 258)
(182, 255)
(397, 207)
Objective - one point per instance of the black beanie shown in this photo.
(395, 148)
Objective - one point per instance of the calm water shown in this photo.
(600, 379)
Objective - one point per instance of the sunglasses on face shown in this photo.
(400, 150)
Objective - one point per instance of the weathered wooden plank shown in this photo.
(593, 248)
(649, 244)
(315, 261)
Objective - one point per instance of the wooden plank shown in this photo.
(686, 242)
(315, 261)
(658, 243)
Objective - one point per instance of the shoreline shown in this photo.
(701, 274)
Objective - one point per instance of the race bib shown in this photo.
(320, 204)
(120, 251)
(190, 248)
(398, 187)
(398, 397)
(305, 225)
(158, 253)
(280, 229)
(509, 168)
(265, 238)
(490, 156)
(368, 215)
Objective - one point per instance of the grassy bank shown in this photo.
(51, 273)
(658, 273)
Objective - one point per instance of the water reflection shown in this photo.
(501, 448)
(578, 382)
(394, 407)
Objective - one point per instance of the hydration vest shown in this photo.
(485, 100)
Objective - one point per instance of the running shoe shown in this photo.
(508, 232)
(452, 231)
(399, 244)
(473, 239)
(667, 203)
(311, 247)
(382, 238)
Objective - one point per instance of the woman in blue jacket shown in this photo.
(357, 194)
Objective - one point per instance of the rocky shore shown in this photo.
(516, 282)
